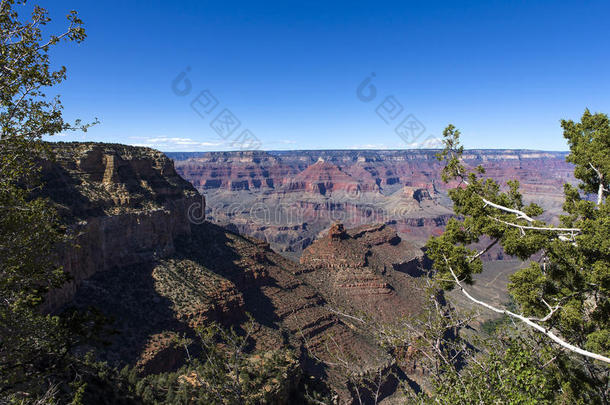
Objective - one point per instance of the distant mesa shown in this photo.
(308, 190)
(326, 178)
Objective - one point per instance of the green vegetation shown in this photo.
(563, 293)
(35, 359)
(491, 326)
(511, 371)
(224, 373)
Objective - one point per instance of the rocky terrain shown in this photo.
(349, 226)
(158, 272)
(367, 270)
(288, 197)
(123, 205)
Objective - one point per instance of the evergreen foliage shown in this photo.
(564, 289)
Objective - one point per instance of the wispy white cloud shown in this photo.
(184, 144)
(376, 146)
(166, 143)
(431, 142)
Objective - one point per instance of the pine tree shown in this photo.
(563, 292)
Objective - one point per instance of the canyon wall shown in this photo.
(288, 197)
(385, 168)
(123, 206)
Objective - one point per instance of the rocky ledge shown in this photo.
(124, 205)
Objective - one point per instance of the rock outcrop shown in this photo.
(124, 205)
(368, 270)
(158, 275)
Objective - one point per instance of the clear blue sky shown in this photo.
(504, 72)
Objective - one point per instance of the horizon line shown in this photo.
(364, 150)
(308, 150)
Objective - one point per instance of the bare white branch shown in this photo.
(537, 228)
(548, 316)
(482, 252)
(520, 214)
(529, 322)
(600, 190)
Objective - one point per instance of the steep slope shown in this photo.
(124, 205)
(219, 276)
(158, 272)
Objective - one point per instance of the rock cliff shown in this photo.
(124, 205)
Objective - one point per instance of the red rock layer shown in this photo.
(366, 270)
(383, 169)
(326, 178)
(306, 191)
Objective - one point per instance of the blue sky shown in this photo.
(504, 72)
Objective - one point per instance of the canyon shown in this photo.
(157, 272)
(288, 198)
(313, 246)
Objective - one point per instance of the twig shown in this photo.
(482, 252)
